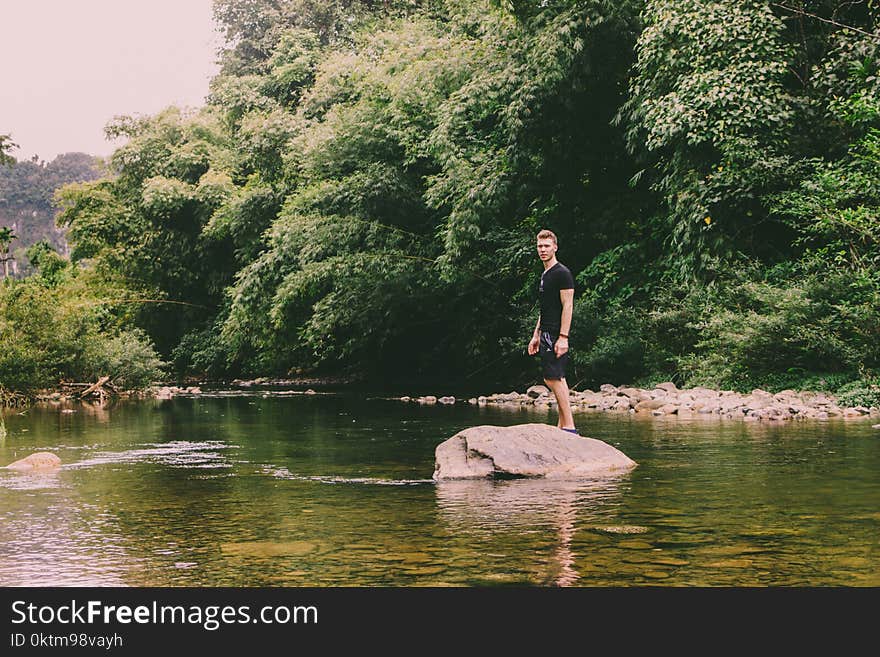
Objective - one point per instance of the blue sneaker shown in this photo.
(574, 431)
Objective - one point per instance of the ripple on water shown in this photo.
(178, 453)
(622, 529)
(284, 473)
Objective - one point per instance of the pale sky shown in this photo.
(69, 66)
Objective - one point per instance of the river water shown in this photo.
(285, 489)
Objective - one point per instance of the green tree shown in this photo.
(6, 145)
(142, 226)
(6, 237)
(415, 182)
(711, 110)
(253, 28)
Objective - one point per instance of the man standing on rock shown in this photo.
(556, 294)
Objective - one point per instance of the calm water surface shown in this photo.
(268, 489)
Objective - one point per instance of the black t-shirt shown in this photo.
(557, 278)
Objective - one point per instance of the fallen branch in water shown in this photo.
(103, 388)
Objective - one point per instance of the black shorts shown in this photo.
(552, 367)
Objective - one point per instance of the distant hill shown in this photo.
(26, 206)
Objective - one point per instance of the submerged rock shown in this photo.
(36, 461)
(525, 450)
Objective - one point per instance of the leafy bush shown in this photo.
(863, 392)
(50, 333)
(128, 358)
(797, 379)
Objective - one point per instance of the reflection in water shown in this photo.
(483, 505)
(27, 480)
(54, 544)
(69, 542)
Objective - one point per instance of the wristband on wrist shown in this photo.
(563, 335)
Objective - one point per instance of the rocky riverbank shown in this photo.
(667, 399)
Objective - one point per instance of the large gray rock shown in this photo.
(525, 450)
(36, 461)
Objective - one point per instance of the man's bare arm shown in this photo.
(567, 299)
(533, 343)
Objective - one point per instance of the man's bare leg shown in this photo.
(560, 390)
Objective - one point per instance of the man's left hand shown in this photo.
(561, 347)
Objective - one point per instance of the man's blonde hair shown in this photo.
(548, 234)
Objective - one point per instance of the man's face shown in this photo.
(546, 249)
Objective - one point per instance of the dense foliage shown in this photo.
(361, 193)
(58, 325)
